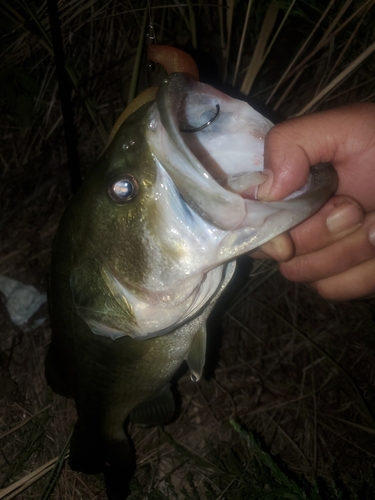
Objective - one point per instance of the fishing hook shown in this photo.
(198, 129)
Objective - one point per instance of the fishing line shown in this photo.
(150, 40)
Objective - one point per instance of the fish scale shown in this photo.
(142, 253)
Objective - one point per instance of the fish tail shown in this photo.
(114, 458)
(119, 469)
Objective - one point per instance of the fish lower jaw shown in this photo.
(157, 312)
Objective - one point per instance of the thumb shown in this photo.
(291, 147)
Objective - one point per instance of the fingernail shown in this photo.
(265, 188)
(343, 217)
(371, 235)
(259, 254)
(280, 248)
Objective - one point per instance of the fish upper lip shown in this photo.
(199, 189)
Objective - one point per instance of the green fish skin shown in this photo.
(143, 252)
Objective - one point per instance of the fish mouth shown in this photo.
(212, 147)
(208, 151)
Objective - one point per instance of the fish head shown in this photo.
(170, 202)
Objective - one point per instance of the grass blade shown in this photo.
(339, 79)
(260, 48)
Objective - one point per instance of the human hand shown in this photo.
(334, 250)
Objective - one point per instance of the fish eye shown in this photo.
(123, 189)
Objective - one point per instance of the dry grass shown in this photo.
(293, 368)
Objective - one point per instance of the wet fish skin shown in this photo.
(115, 267)
(107, 378)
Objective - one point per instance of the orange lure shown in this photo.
(174, 61)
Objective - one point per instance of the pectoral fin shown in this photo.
(156, 411)
(197, 354)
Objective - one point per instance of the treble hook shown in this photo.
(198, 129)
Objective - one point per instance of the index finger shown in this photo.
(339, 217)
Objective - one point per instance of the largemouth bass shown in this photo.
(142, 253)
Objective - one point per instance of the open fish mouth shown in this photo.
(206, 151)
(212, 147)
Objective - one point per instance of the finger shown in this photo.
(339, 217)
(337, 258)
(344, 215)
(280, 248)
(355, 283)
(339, 136)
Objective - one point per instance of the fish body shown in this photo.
(143, 251)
